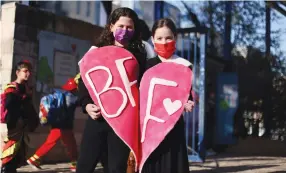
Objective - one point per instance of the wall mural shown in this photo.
(58, 57)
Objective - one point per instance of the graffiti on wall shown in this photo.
(58, 57)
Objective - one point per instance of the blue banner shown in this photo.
(226, 106)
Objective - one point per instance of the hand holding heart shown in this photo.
(189, 106)
(111, 72)
(93, 111)
(162, 96)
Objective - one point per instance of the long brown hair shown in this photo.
(106, 38)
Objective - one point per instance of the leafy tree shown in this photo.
(45, 74)
(248, 30)
(248, 22)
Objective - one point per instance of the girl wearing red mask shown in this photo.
(171, 155)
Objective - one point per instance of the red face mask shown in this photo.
(165, 50)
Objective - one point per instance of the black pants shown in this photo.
(10, 167)
(171, 155)
(99, 142)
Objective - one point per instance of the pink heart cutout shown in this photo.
(111, 72)
(166, 81)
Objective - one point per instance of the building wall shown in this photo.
(89, 11)
(53, 44)
(146, 10)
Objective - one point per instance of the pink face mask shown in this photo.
(123, 36)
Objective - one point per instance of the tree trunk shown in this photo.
(213, 49)
(267, 32)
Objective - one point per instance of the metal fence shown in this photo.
(191, 45)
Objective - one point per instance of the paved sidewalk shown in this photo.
(251, 155)
(245, 164)
(54, 168)
(218, 164)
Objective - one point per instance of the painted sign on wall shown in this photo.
(65, 65)
(58, 57)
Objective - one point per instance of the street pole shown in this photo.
(227, 35)
(158, 10)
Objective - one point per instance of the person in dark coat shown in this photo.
(99, 142)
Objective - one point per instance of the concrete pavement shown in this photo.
(252, 155)
(218, 164)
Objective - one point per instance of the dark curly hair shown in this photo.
(145, 31)
(106, 38)
(23, 64)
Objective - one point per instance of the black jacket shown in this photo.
(67, 120)
(21, 113)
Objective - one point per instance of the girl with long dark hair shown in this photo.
(99, 140)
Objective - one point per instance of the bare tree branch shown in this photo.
(275, 6)
(192, 15)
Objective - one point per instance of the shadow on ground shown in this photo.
(230, 168)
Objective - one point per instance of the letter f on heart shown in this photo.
(154, 81)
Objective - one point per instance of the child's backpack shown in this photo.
(53, 107)
(3, 110)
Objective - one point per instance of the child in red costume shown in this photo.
(61, 129)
